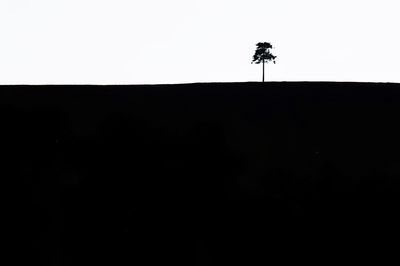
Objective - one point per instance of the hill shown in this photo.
(245, 172)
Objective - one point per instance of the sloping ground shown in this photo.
(240, 173)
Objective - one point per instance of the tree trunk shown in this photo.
(263, 70)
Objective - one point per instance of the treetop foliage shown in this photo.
(263, 53)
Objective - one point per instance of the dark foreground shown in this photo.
(203, 174)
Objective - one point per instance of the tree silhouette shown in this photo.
(263, 55)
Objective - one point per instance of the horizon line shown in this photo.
(192, 83)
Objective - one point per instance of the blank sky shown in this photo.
(185, 41)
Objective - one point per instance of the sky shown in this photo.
(188, 41)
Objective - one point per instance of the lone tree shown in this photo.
(263, 55)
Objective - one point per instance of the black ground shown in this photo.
(213, 174)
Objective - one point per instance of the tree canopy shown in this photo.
(263, 53)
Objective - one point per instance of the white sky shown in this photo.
(185, 41)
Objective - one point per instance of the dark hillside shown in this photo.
(243, 174)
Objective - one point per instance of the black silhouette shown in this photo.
(115, 175)
(263, 55)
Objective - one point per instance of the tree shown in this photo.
(263, 55)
